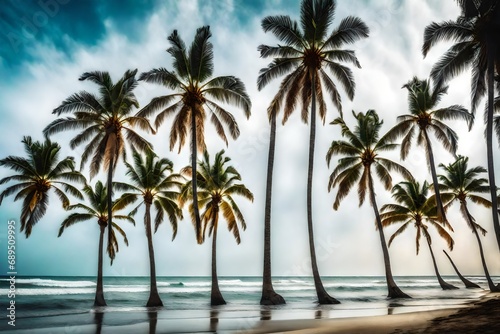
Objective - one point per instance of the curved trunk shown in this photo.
(442, 283)
(393, 290)
(468, 284)
(99, 290)
(269, 296)
(215, 296)
(430, 155)
(323, 296)
(489, 148)
(491, 285)
(154, 297)
(194, 151)
(110, 197)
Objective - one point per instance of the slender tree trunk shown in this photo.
(99, 291)
(323, 296)
(430, 155)
(110, 197)
(468, 284)
(269, 296)
(215, 296)
(489, 148)
(491, 285)
(393, 290)
(154, 297)
(442, 283)
(194, 152)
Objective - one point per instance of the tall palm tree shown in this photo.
(423, 119)
(97, 210)
(217, 186)
(107, 124)
(414, 207)
(305, 54)
(476, 45)
(360, 154)
(459, 183)
(37, 174)
(154, 183)
(196, 94)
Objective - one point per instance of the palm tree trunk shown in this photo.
(489, 148)
(323, 296)
(442, 283)
(491, 285)
(393, 290)
(269, 296)
(154, 297)
(110, 197)
(99, 291)
(468, 284)
(215, 296)
(430, 155)
(194, 151)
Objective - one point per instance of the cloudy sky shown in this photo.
(46, 45)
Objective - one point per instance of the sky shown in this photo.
(46, 45)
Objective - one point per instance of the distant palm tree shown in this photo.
(195, 94)
(98, 210)
(40, 172)
(415, 208)
(153, 182)
(459, 184)
(360, 153)
(107, 124)
(304, 56)
(476, 46)
(217, 186)
(423, 119)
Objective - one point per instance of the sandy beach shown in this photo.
(480, 316)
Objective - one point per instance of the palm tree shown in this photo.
(304, 55)
(460, 184)
(476, 46)
(414, 207)
(97, 210)
(152, 183)
(196, 93)
(424, 118)
(217, 186)
(107, 123)
(40, 172)
(361, 153)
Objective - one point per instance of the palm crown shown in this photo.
(217, 186)
(97, 209)
(36, 175)
(361, 151)
(305, 55)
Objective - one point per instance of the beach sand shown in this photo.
(481, 316)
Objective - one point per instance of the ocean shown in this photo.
(64, 304)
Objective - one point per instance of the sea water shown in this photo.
(51, 301)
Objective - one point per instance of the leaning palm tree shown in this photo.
(154, 183)
(98, 210)
(37, 174)
(476, 46)
(360, 154)
(306, 53)
(217, 186)
(196, 95)
(415, 208)
(107, 124)
(460, 184)
(424, 119)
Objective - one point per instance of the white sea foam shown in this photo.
(52, 283)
